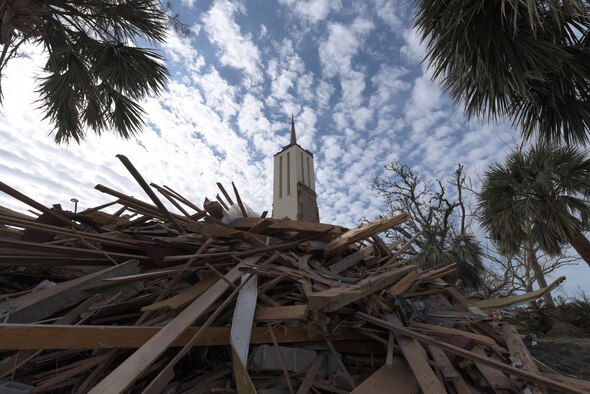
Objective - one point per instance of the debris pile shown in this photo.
(211, 299)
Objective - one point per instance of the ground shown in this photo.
(569, 356)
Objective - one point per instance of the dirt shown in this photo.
(569, 356)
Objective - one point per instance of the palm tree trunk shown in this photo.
(582, 245)
(538, 271)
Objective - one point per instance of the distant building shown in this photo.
(294, 194)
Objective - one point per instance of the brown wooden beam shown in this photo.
(44, 336)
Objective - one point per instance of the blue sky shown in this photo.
(350, 73)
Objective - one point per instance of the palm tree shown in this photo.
(538, 198)
(95, 75)
(524, 60)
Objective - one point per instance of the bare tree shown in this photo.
(438, 211)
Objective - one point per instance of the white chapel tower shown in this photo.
(294, 183)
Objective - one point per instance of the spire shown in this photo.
(293, 136)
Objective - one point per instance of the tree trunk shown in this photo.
(538, 271)
(582, 245)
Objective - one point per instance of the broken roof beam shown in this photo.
(32, 203)
(146, 188)
(360, 233)
(335, 298)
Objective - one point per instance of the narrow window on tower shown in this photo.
(302, 172)
(280, 176)
(308, 173)
(288, 174)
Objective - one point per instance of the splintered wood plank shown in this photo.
(360, 233)
(184, 297)
(485, 340)
(443, 364)
(397, 378)
(351, 260)
(337, 297)
(41, 304)
(497, 379)
(281, 313)
(44, 336)
(518, 349)
(404, 284)
(243, 319)
(288, 225)
(131, 369)
(414, 355)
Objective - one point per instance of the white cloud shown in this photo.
(357, 106)
(236, 50)
(413, 49)
(312, 10)
(392, 12)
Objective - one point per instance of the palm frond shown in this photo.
(523, 60)
(95, 77)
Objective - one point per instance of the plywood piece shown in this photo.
(131, 369)
(363, 232)
(398, 379)
(338, 297)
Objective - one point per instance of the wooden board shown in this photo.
(337, 297)
(44, 336)
(131, 369)
(496, 379)
(485, 340)
(243, 318)
(518, 349)
(351, 260)
(404, 284)
(185, 297)
(416, 358)
(241, 330)
(397, 379)
(281, 313)
(360, 233)
(442, 363)
(287, 225)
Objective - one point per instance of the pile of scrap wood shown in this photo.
(146, 300)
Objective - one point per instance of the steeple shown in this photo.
(293, 136)
(294, 194)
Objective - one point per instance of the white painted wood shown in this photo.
(243, 319)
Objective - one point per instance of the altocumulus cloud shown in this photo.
(349, 73)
